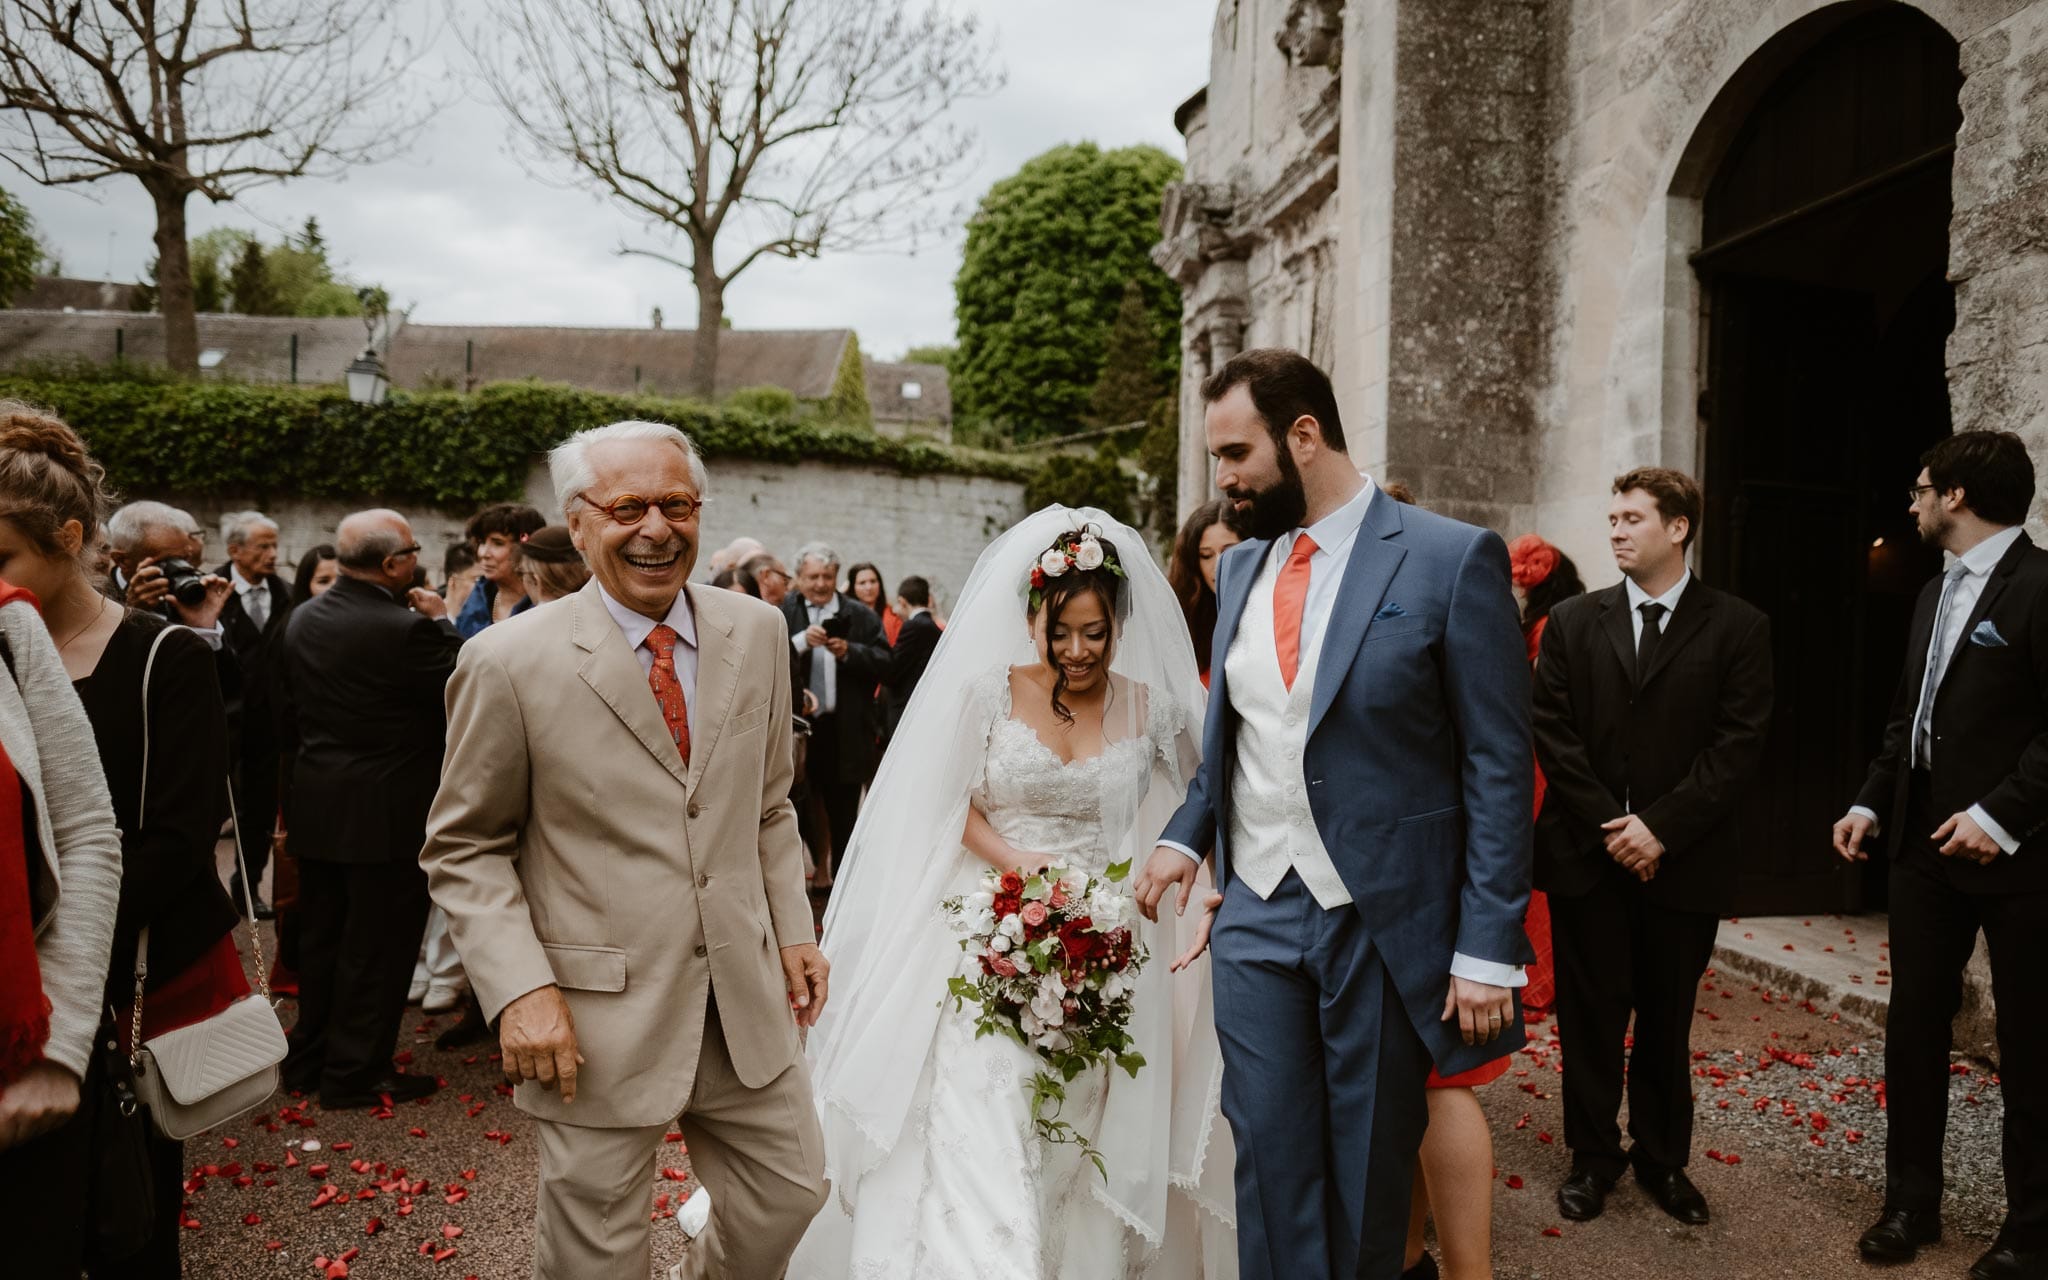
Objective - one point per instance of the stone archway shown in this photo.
(1823, 239)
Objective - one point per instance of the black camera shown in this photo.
(837, 627)
(188, 585)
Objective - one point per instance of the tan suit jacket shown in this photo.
(569, 845)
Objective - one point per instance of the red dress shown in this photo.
(1541, 992)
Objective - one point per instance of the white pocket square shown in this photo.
(1986, 636)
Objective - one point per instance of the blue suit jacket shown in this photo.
(1418, 765)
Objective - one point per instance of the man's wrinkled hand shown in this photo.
(836, 646)
(537, 1036)
(42, 1100)
(806, 972)
(1961, 837)
(815, 637)
(1850, 833)
(1483, 1010)
(205, 615)
(1163, 870)
(427, 604)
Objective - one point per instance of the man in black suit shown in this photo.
(1652, 701)
(1961, 789)
(843, 655)
(365, 676)
(915, 640)
(250, 621)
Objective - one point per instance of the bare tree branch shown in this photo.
(747, 128)
(206, 97)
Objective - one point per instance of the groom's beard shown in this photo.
(1269, 513)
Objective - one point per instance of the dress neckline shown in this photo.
(1010, 717)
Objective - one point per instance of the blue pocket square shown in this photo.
(1391, 610)
(1986, 636)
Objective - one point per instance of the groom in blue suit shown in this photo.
(1365, 791)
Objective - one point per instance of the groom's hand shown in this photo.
(1483, 1011)
(805, 970)
(537, 1036)
(1166, 867)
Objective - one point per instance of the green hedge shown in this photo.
(443, 448)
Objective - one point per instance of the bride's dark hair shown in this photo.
(1050, 593)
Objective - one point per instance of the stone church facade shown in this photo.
(1780, 244)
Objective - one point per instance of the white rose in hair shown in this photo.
(1088, 555)
(1054, 562)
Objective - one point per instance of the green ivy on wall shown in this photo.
(442, 448)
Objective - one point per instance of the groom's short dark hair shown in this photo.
(1285, 386)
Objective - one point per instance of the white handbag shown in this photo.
(225, 1066)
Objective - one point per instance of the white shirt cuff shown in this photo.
(800, 641)
(213, 635)
(1491, 972)
(1178, 847)
(1866, 811)
(1992, 829)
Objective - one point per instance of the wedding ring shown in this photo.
(1493, 1017)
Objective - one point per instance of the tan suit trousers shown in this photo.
(758, 1151)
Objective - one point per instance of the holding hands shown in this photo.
(1165, 869)
(806, 971)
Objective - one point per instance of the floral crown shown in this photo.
(1081, 549)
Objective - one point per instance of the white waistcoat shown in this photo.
(1271, 827)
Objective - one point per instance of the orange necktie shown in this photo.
(668, 690)
(1290, 593)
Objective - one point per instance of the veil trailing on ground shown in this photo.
(891, 950)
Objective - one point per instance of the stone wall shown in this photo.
(930, 525)
(1647, 95)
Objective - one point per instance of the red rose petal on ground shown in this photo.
(252, 1219)
(442, 1255)
(1514, 1182)
(316, 1170)
(373, 1226)
(1552, 1231)
(1543, 1137)
(273, 1245)
(231, 1143)
(337, 1271)
(417, 1133)
(350, 1256)
(469, 1175)
(450, 1231)
(674, 1175)
(456, 1196)
(671, 1137)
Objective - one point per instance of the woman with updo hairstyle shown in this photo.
(1201, 542)
(551, 566)
(51, 500)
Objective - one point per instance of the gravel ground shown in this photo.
(1789, 1192)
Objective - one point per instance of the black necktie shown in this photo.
(1646, 644)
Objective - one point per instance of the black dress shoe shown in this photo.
(398, 1088)
(264, 911)
(1897, 1235)
(2003, 1262)
(1675, 1194)
(1423, 1270)
(1583, 1196)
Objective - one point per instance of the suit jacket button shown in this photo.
(703, 881)
(700, 951)
(692, 810)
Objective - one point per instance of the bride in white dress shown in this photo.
(1055, 730)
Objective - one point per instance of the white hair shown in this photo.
(569, 467)
(242, 526)
(129, 526)
(818, 551)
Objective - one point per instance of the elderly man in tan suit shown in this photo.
(615, 849)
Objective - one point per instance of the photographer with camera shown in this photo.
(149, 542)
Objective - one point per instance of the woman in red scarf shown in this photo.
(60, 877)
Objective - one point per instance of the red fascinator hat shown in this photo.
(1531, 560)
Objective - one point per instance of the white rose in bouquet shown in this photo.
(1046, 1007)
(980, 900)
(1113, 987)
(1012, 927)
(1000, 943)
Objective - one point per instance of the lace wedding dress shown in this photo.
(937, 1172)
(970, 1192)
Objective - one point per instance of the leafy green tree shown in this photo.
(1042, 277)
(311, 242)
(1084, 480)
(1159, 460)
(938, 353)
(847, 403)
(21, 254)
(249, 283)
(774, 403)
(1131, 380)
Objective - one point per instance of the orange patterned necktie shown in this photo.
(1290, 593)
(668, 690)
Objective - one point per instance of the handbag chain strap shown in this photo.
(241, 866)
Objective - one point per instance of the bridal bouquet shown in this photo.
(1050, 962)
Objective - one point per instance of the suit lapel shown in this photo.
(719, 657)
(1686, 621)
(1367, 572)
(1615, 621)
(1994, 586)
(614, 674)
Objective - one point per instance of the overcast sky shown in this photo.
(458, 229)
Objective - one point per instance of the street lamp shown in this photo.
(367, 382)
